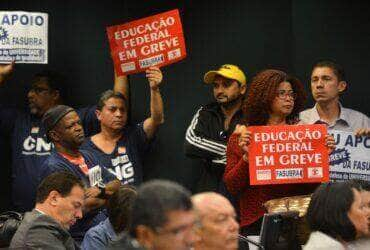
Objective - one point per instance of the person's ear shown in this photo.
(342, 85)
(145, 236)
(53, 198)
(243, 89)
(54, 136)
(98, 114)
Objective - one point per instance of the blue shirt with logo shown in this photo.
(30, 149)
(126, 160)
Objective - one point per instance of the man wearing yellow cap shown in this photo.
(207, 135)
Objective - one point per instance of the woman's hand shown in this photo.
(244, 139)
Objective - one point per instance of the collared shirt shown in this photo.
(321, 241)
(349, 120)
(99, 236)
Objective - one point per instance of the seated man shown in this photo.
(327, 84)
(63, 127)
(59, 202)
(218, 226)
(163, 217)
(119, 211)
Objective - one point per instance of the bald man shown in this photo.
(218, 226)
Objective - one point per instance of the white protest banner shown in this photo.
(23, 37)
(351, 157)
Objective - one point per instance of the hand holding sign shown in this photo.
(330, 142)
(363, 132)
(244, 139)
(92, 192)
(155, 77)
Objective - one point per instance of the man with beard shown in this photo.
(63, 127)
(121, 147)
(27, 135)
(328, 82)
(207, 135)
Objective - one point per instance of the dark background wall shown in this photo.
(286, 34)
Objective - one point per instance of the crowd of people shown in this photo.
(78, 174)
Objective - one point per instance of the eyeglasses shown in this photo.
(283, 94)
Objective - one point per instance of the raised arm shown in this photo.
(151, 124)
(5, 71)
(121, 85)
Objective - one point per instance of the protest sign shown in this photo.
(351, 157)
(288, 154)
(23, 37)
(155, 40)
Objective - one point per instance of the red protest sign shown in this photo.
(155, 40)
(288, 154)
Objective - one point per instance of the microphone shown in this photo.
(255, 243)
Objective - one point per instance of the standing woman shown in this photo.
(274, 98)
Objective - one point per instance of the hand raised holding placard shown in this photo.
(5, 71)
(154, 76)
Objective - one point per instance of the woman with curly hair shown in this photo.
(274, 98)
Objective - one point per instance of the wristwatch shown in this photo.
(101, 187)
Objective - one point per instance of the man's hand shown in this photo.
(155, 77)
(92, 192)
(5, 71)
(363, 132)
(330, 142)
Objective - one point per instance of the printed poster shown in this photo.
(155, 40)
(351, 157)
(288, 154)
(23, 37)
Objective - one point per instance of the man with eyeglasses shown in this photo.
(327, 84)
(211, 126)
(27, 135)
(163, 217)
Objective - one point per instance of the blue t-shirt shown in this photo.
(97, 173)
(126, 160)
(30, 149)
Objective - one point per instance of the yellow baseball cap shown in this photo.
(228, 71)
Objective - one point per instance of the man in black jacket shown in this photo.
(207, 135)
